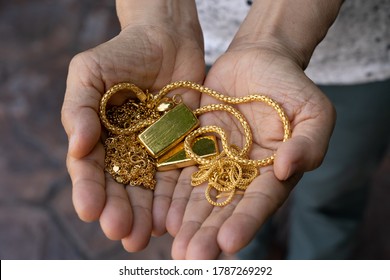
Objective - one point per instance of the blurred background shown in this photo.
(37, 219)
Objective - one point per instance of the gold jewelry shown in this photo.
(231, 171)
(137, 118)
(204, 147)
(126, 159)
(128, 162)
(141, 130)
(160, 123)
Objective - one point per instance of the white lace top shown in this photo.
(355, 50)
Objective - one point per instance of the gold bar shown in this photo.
(169, 130)
(205, 146)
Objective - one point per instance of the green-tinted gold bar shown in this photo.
(205, 146)
(169, 130)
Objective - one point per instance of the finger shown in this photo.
(180, 198)
(166, 182)
(116, 218)
(262, 198)
(204, 244)
(141, 230)
(305, 150)
(196, 212)
(79, 111)
(312, 128)
(83, 129)
(88, 183)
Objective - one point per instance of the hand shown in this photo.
(150, 56)
(202, 231)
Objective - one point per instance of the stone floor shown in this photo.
(37, 219)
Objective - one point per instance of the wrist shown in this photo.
(179, 13)
(293, 28)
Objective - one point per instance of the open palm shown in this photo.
(202, 231)
(150, 57)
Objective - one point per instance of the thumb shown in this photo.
(79, 113)
(305, 150)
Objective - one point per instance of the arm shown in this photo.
(296, 27)
(181, 14)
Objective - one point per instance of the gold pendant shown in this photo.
(204, 147)
(169, 130)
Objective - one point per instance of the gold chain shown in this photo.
(136, 127)
(232, 100)
(231, 171)
(128, 162)
(228, 173)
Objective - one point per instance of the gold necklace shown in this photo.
(148, 127)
